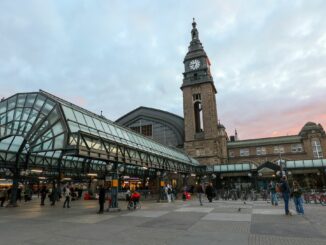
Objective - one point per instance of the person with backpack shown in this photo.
(285, 189)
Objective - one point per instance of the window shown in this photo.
(316, 148)
(196, 97)
(296, 148)
(144, 130)
(136, 129)
(278, 149)
(231, 153)
(244, 152)
(260, 151)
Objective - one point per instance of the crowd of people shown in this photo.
(168, 192)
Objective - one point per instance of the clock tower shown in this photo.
(205, 138)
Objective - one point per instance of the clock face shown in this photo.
(194, 64)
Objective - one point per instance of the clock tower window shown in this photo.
(198, 111)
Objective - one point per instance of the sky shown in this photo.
(268, 57)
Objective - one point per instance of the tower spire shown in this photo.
(194, 31)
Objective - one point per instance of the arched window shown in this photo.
(198, 112)
(316, 148)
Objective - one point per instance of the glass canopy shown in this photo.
(316, 163)
(42, 130)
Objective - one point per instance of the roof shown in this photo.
(80, 119)
(265, 141)
(45, 131)
(175, 122)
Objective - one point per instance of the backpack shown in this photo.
(169, 191)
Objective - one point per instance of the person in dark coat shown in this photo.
(43, 193)
(101, 199)
(209, 192)
(285, 189)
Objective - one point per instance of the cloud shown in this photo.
(268, 58)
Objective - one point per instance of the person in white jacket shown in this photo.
(66, 193)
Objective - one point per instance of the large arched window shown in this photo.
(198, 112)
(316, 148)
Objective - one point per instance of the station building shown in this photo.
(203, 137)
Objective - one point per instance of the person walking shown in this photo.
(101, 199)
(200, 193)
(209, 192)
(3, 195)
(169, 192)
(285, 189)
(43, 193)
(54, 195)
(297, 198)
(66, 194)
(272, 188)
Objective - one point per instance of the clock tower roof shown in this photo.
(197, 64)
(195, 48)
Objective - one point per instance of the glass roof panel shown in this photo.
(318, 162)
(69, 113)
(80, 118)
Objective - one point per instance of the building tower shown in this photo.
(205, 139)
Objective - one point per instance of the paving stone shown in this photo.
(194, 209)
(286, 230)
(255, 239)
(271, 211)
(227, 217)
(148, 214)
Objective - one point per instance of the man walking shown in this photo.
(285, 189)
(209, 192)
(200, 193)
(43, 192)
(101, 199)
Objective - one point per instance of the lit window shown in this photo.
(316, 148)
(296, 148)
(244, 152)
(278, 149)
(260, 151)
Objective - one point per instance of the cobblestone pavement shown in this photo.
(220, 222)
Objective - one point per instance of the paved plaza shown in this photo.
(220, 222)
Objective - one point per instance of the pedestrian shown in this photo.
(200, 193)
(209, 192)
(169, 192)
(297, 197)
(285, 189)
(54, 196)
(28, 194)
(19, 194)
(66, 194)
(272, 188)
(43, 193)
(101, 199)
(3, 196)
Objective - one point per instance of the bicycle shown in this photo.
(134, 204)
